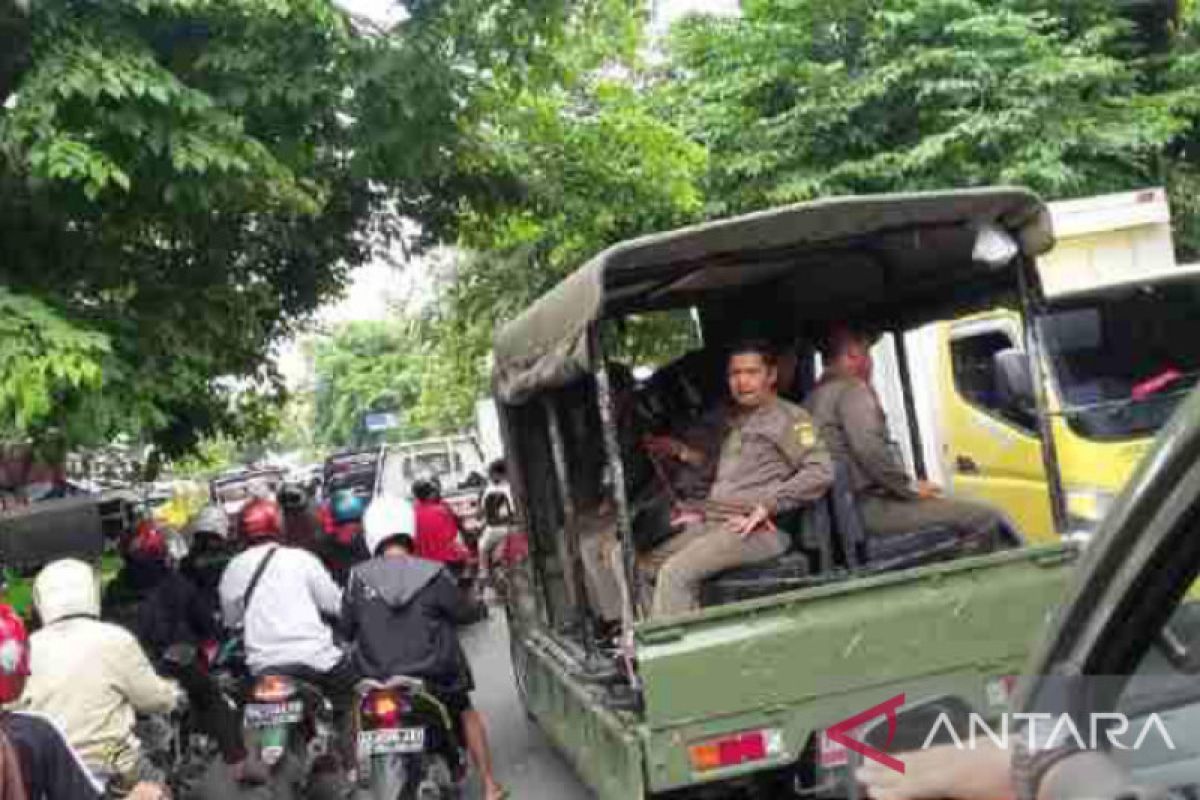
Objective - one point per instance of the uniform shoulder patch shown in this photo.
(804, 431)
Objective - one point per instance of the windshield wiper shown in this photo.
(1186, 383)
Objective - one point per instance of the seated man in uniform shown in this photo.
(771, 461)
(851, 420)
(597, 541)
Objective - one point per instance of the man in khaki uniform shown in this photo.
(852, 422)
(597, 538)
(771, 461)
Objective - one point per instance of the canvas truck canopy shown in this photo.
(902, 258)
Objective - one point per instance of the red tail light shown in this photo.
(383, 709)
(735, 749)
(274, 689)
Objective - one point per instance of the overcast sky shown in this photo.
(665, 11)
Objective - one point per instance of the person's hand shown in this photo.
(149, 791)
(662, 446)
(669, 447)
(927, 490)
(758, 519)
(180, 654)
(943, 773)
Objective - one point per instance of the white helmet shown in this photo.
(66, 588)
(210, 519)
(388, 517)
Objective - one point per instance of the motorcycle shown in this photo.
(289, 727)
(175, 743)
(176, 748)
(407, 746)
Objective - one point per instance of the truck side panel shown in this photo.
(602, 747)
(803, 661)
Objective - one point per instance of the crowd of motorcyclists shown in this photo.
(383, 601)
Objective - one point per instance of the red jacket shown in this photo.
(437, 532)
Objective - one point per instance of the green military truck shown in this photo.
(734, 700)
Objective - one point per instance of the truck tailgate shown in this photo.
(809, 658)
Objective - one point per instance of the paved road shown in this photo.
(526, 762)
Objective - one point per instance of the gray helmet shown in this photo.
(211, 519)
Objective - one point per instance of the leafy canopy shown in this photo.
(188, 180)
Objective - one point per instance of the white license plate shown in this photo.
(268, 715)
(391, 740)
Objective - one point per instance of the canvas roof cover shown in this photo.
(881, 256)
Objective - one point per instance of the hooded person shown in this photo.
(91, 677)
(401, 613)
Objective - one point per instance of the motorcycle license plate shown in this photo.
(268, 715)
(392, 740)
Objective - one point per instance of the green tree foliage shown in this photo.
(173, 175)
(190, 179)
(802, 99)
(596, 166)
(44, 358)
(798, 99)
(366, 367)
(210, 457)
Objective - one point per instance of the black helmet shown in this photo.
(423, 489)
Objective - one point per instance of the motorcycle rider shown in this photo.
(92, 677)
(436, 527)
(498, 514)
(284, 622)
(172, 621)
(400, 612)
(341, 545)
(211, 551)
(34, 755)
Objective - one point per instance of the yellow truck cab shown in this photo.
(1120, 343)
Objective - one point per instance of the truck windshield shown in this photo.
(1123, 362)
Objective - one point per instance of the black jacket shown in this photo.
(160, 607)
(401, 615)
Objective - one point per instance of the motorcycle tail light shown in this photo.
(273, 689)
(383, 709)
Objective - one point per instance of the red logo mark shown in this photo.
(839, 732)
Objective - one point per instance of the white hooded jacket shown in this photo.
(89, 676)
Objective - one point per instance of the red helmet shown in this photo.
(14, 655)
(261, 519)
(148, 542)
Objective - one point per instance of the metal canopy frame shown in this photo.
(612, 448)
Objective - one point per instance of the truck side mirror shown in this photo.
(1014, 380)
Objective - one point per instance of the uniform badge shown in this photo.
(805, 433)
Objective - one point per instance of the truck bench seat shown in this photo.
(911, 548)
(789, 571)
